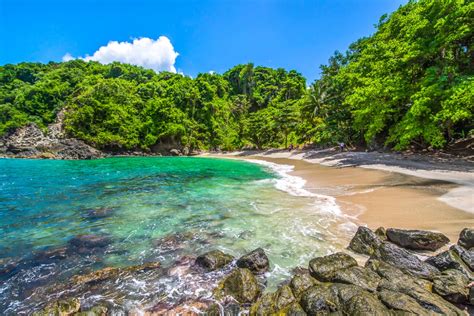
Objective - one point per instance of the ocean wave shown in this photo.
(295, 186)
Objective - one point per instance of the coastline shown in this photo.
(419, 193)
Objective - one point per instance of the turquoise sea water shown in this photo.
(151, 209)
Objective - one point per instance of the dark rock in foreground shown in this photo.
(365, 241)
(417, 239)
(240, 284)
(466, 238)
(407, 261)
(449, 259)
(452, 286)
(256, 261)
(213, 260)
(324, 268)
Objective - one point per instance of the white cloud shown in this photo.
(153, 54)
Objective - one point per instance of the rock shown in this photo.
(324, 268)
(241, 284)
(401, 302)
(89, 241)
(301, 282)
(256, 261)
(112, 272)
(99, 213)
(51, 254)
(466, 238)
(452, 285)
(405, 260)
(319, 299)
(364, 304)
(425, 298)
(61, 308)
(395, 275)
(294, 309)
(175, 152)
(172, 242)
(381, 233)
(364, 278)
(471, 294)
(417, 239)
(271, 303)
(365, 241)
(467, 256)
(214, 260)
(449, 260)
(99, 310)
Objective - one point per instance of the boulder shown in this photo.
(213, 260)
(241, 284)
(62, 308)
(467, 256)
(365, 241)
(471, 295)
(99, 310)
(301, 282)
(466, 238)
(324, 268)
(364, 278)
(405, 260)
(319, 299)
(395, 275)
(381, 233)
(175, 152)
(271, 303)
(417, 239)
(452, 285)
(89, 241)
(256, 261)
(364, 304)
(113, 272)
(401, 302)
(449, 260)
(294, 309)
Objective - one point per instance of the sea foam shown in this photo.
(295, 186)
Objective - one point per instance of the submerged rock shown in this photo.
(51, 254)
(173, 242)
(452, 285)
(364, 278)
(365, 241)
(466, 238)
(405, 260)
(112, 272)
(241, 284)
(256, 261)
(99, 213)
(324, 268)
(84, 242)
(61, 308)
(213, 260)
(417, 239)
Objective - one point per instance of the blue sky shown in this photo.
(208, 35)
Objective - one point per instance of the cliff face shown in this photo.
(31, 142)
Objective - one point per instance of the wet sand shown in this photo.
(382, 198)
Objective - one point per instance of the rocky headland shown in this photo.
(406, 272)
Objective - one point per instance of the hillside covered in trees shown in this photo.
(410, 83)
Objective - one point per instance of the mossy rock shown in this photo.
(98, 310)
(301, 282)
(364, 278)
(256, 261)
(364, 304)
(401, 302)
(417, 239)
(241, 284)
(61, 308)
(214, 260)
(365, 241)
(466, 238)
(272, 303)
(452, 285)
(324, 268)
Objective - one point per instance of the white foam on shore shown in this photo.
(294, 185)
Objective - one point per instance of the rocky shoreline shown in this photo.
(404, 274)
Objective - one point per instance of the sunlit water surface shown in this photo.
(153, 209)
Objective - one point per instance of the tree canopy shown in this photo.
(411, 82)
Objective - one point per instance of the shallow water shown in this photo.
(152, 209)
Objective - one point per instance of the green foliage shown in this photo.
(411, 82)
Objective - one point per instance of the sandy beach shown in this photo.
(386, 189)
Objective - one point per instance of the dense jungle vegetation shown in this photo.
(410, 83)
